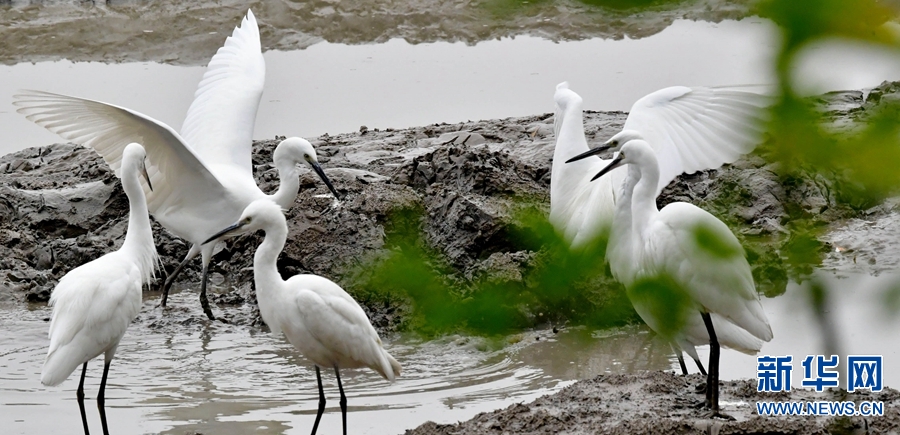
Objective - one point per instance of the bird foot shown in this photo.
(700, 388)
(718, 414)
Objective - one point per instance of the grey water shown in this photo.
(226, 380)
(336, 88)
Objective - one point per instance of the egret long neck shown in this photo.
(139, 237)
(265, 271)
(643, 206)
(288, 183)
(619, 251)
(570, 141)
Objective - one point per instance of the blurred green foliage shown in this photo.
(556, 285)
(858, 167)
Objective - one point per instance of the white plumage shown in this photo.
(690, 129)
(666, 242)
(94, 303)
(316, 315)
(695, 129)
(203, 178)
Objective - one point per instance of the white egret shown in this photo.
(665, 243)
(94, 303)
(695, 128)
(691, 129)
(316, 315)
(203, 177)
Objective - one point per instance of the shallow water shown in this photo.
(228, 380)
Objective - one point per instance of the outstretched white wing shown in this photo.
(692, 129)
(219, 123)
(180, 179)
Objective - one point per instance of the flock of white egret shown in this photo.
(199, 185)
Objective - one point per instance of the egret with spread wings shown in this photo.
(203, 175)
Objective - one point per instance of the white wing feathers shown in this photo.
(337, 321)
(219, 123)
(175, 171)
(693, 129)
(722, 283)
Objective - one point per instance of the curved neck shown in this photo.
(570, 141)
(139, 237)
(643, 207)
(620, 249)
(288, 183)
(265, 270)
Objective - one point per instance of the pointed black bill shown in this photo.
(325, 179)
(146, 176)
(612, 165)
(223, 232)
(590, 152)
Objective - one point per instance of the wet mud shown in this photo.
(60, 206)
(189, 33)
(664, 403)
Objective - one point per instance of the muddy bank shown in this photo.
(189, 33)
(663, 403)
(60, 206)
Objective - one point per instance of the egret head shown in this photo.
(565, 97)
(614, 143)
(621, 138)
(632, 152)
(295, 151)
(259, 214)
(134, 158)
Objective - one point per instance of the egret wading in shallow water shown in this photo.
(694, 128)
(203, 177)
(665, 243)
(316, 315)
(94, 303)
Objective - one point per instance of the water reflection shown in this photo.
(230, 380)
(336, 88)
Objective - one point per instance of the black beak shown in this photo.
(223, 232)
(325, 179)
(589, 153)
(146, 176)
(612, 165)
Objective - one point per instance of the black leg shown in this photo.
(321, 401)
(684, 371)
(343, 399)
(700, 366)
(171, 279)
(712, 379)
(204, 302)
(80, 395)
(101, 398)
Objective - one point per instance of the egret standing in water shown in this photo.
(665, 243)
(94, 303)
(316, 315)
(203, 177)
(696, 128)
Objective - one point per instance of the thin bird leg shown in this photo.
(677, 351)
(171, 279)
(712, 379)
(80, 395)
(343, 399)
(204, 302)
(321, 401)
(101, 398)
(700, 366)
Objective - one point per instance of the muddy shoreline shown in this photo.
(664, 403)
(189, 33)
(60, 206)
